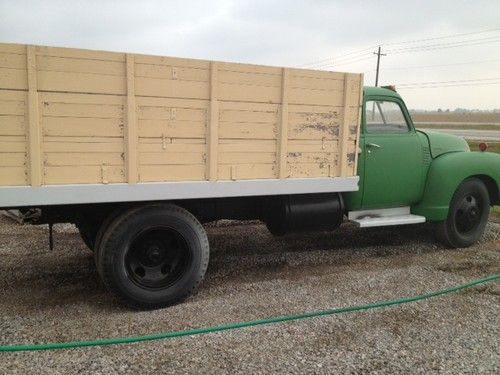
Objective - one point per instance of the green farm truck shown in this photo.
(139, 151)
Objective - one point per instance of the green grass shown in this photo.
(458, 126)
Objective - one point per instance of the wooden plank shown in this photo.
(13, 159)
(84, 174)
(313, 145)
(12, 176)
(317, 83)
(315, 97)
(80, 158)
(156, 145)
(80, 53)
(171, 129)
(84, 147)
(81, 82)
(12, 146)
(150, 173)
(16, 108)
(250, 68)
(247, 158)
(247, 145)
(249, 78)
(72, 98)
(301, 170)
(104, 111)
(171, 88)
(171, 113)
(169, 158)
(246, 130)
(247, 171)
(34, 128)
(311, 157)
(82, 127)
(172, 72)
(283, 129)
(19, 49)
(172, 61)
(178, 103)
(242, 116)
(249, 106)
(213, 125)
(12, 125)
(75, 65)
(14, 79)
(131, 137)
(247, 93)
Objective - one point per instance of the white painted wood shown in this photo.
(28, 196)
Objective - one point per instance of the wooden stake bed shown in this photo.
(71, 116)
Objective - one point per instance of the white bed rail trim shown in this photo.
(28, 196)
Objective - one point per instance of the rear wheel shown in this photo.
(153, 256)
(467, 216)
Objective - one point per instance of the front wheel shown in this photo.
(467, 216)
(153, 256)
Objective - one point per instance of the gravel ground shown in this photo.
(53, 296)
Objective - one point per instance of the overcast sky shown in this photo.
(290, 33)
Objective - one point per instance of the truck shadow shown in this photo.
(66, 277)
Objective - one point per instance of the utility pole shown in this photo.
(378, 63)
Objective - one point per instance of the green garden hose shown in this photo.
(238, 325)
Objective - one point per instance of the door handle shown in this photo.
(373, 145)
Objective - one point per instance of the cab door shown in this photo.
(392, 155)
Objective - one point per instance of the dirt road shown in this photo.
(49, 296)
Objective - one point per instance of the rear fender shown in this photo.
(448, 171)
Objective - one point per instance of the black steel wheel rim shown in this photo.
(468, 214)
(157, 258)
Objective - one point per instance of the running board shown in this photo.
(384, 217)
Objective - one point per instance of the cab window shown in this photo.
(385, 117)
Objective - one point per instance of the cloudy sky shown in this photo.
(314, 33)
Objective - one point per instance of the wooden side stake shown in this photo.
(131, 124)
(283, 130)
(34, 133)
(213, 125)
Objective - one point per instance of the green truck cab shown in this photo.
(434, 175)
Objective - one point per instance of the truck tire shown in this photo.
(153, 256)
(467, 216)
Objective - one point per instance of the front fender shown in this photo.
(447, 172)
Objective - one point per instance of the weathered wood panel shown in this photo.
(76, 116)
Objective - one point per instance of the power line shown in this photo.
(437, 65)
(452, 85)
(338, 57)
(446, 45)
(333, 60)
(344, 62)
(455, 81)
(442, 37)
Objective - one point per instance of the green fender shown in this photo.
(448, 171)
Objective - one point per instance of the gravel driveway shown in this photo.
(52, 296)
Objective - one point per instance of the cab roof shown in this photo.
(379, 91)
